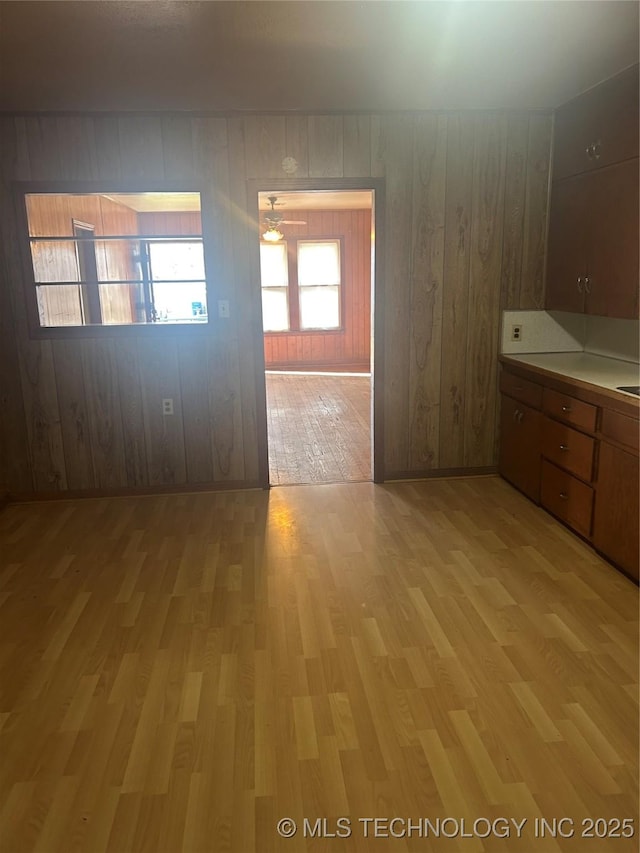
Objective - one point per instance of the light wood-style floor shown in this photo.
(319, 428)
(180, 672)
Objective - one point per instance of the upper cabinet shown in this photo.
(592, 257)
(598, 128)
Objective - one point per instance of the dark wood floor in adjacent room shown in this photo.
(180, 672)
(319, 428)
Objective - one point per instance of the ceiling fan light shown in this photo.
(272, 235)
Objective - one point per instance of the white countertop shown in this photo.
(594, 369)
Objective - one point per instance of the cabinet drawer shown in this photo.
(566, 408)
(621, 428)
(568, 448)
(567, 498)
(521, 389)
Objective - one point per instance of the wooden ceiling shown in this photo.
(318, 200)
(309, 56)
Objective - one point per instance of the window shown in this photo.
(319, 284)
(313, 303)
(275, 287)
(116, 258)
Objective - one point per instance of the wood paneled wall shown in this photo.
(465, 225)
(349, 347)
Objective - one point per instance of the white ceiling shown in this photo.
(309, 56)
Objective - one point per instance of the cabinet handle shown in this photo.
(589, 151)
(564, 496)
(579, 283)
(520, 417)
(566, 408)
(564, 447)
(587, 284)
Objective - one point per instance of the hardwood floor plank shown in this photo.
(319, 428)
(202, 665)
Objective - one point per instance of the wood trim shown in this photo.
(147, 491)
(442, 473)
(256, 186)
(363, 367)
(249, 112)
(578, 388)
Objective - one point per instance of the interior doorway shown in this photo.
(318, 297)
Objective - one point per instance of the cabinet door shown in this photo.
(615, 528)
(520, 446)
(612, 259)
(598, 128)
(566, 264)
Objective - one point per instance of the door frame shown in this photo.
(377, 186)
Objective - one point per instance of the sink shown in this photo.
(630, 389)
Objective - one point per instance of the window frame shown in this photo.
(21, 189)
(294, 290)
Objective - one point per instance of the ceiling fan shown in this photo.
(273, 220)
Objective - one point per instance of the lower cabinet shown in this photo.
(520, 446)
(577, 456)
(616, 530)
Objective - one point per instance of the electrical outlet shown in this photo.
(516, 333)
(167, 406)
(223, 309)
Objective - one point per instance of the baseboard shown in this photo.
(136, 492)
(440, 473)
(321, 367)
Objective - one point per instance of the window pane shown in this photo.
(55, 261)
(320, 307)
(180, 302)
(273, 265)
(275, 309)
(60, 305)
(117, 303)
(115, 260)
(176, 261)
(318, 262)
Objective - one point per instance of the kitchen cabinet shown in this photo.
(592, 261)
(612, 256)
(567, 247)
(520, 446)
(575, 451)
(616, 531)
(598, 128)
(616, 528)
(592, 254)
